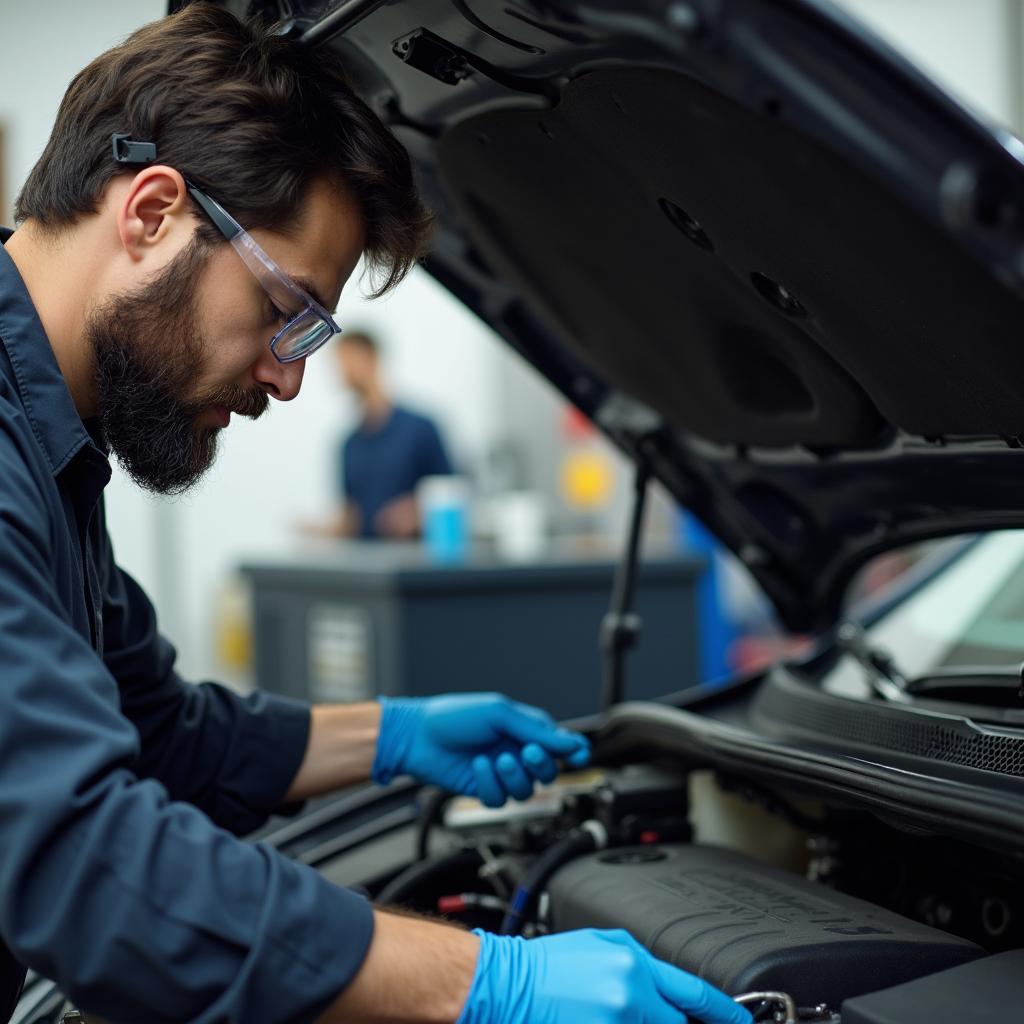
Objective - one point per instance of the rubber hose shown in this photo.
(405, 882)
(575, 843)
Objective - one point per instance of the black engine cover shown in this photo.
(743, 926)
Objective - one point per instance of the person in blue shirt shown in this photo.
(136, 315)
(387, 455)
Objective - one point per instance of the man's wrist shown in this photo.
(416, 972)
(341, 748)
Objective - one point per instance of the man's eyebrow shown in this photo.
(307, 286)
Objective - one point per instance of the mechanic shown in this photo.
(386, 456)
(130, 328)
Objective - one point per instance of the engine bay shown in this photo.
(802, 911)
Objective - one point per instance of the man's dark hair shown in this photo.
(249, 115)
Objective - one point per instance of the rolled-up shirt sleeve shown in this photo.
(137, 904)
(234, 757)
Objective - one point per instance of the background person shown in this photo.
(386, 456)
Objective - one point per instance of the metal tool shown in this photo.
(784, 1011)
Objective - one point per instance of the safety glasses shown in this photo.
(308, 325)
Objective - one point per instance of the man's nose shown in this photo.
(279, 380)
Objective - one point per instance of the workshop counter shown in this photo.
(350, 620)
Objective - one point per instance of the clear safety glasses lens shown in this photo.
(310, 327)
(301, 337)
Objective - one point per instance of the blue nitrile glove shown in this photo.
(476, 744)
(601, 977)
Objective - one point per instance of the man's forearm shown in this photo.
(342, 744)
(416, 972)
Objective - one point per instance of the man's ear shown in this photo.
(155, 207)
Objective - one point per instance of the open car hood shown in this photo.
(748, 239)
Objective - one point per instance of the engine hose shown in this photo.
(591, 835)
(419, 873)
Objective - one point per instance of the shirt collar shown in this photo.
(43, 390)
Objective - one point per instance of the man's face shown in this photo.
(176, 356)
(358, 365)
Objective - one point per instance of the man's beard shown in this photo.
(149, 352)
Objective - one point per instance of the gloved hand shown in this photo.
(476, 744)
(601, 977)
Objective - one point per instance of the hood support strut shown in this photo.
(620, 628)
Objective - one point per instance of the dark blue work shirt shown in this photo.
(123, 788)
(379, 464)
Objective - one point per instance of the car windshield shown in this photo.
(968, 615)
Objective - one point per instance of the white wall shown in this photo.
(965, 45)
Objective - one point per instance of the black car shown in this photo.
(784, 273)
